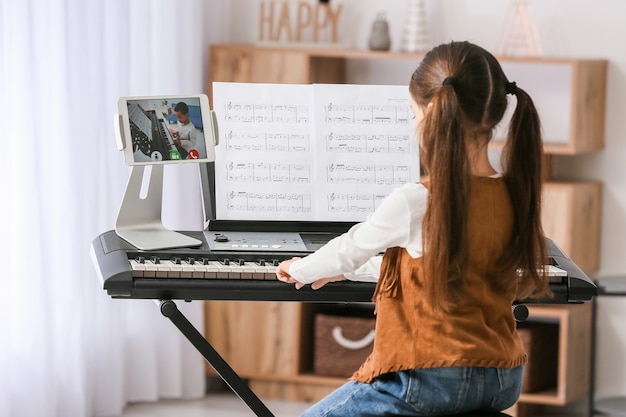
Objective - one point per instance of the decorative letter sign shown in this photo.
(285, 21)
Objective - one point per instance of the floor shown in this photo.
(214, 405)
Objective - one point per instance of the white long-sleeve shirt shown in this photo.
(396, 222)
(187, 135)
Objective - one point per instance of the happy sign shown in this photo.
(298, 21)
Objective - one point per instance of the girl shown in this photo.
(459, 248)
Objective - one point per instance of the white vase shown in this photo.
(415, 33)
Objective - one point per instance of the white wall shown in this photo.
(568, 28)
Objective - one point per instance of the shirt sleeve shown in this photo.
(350, 253)
(368, 272)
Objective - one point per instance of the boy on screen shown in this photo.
(184, 134)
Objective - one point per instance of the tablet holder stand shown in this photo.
(139, 219)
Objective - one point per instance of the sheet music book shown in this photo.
(311, 152)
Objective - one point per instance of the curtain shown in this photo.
(66, 348)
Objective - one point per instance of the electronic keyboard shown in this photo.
(235, 264)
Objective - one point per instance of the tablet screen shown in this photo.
(166, 129)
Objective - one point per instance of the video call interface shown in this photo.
(166, 129)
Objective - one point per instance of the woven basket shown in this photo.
(341, 344)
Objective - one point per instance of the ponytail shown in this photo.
(523, 162)
(465, 91)
(445, 228)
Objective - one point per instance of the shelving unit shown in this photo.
(271, 344)
(574, 340)
(576, 85)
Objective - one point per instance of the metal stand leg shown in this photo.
(171, 311)
(591, 404)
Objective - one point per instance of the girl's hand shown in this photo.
(282, 273)
(321, 282)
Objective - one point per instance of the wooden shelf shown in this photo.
(326, 52)
(574, 323)
(569, 93)
(271, 355)
(572, 214)
(574, 347)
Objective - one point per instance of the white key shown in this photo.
(235, 271)
(271, 272)
(210, 270)
(174, 269)
(222, 270)
(554, 271)
(257, 271)
(137, 267)
(187, 269)
(150, 269)
(198, 270)
(162, 269)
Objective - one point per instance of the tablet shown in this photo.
(166, 129)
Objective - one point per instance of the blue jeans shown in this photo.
(424, 392)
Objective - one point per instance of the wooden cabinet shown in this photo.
(573, 325)
(571, 217)
(570, 95)
(271, 344)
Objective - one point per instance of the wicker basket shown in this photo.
(541, 344)
(341, 344)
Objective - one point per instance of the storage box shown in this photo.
(541, 343)
(342, 344)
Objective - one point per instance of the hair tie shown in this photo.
(449, 80)
(510, 88)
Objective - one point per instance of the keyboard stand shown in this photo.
(171, 311)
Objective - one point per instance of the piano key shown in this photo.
(222, 270)
(255, 270)
(198, 269)
(265, 268)
(174, 269)
(248, 269)
(137, 267)
(150, 269)
(162, 270)
(187, 269)
(235, 271)
(554, 271)
(210, 270)
(271, 271)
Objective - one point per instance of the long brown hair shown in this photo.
(465, 90)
